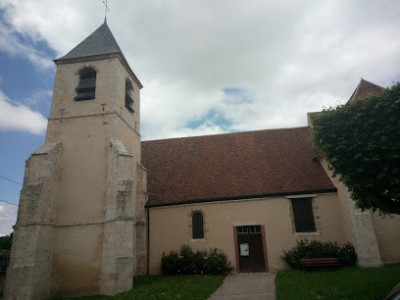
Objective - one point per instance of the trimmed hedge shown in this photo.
(316, 249)
(187, 261)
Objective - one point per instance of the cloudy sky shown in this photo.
(207, 66)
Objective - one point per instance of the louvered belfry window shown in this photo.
(128, 97)
(197, 226)
(303, 215)
(86, 89)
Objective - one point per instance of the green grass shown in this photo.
(191, 287)
(345, 283)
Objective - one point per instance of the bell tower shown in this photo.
(81, 224)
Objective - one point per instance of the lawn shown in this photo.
(345, 283)
(191, 287)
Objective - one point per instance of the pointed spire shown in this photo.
(99, 45)
(100, 42)
(105, 2)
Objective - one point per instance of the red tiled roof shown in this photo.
(365, 88)
(232, 166)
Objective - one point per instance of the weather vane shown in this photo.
(105, 2)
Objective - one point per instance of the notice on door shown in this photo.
(244, 249)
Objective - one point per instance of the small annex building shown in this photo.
(99, 205)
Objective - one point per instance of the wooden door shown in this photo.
(250, 249)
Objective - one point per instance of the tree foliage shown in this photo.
(5, 243)
(361, 142)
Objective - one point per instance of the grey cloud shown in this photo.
(292, 56)
(8, 216)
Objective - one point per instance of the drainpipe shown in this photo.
(148, 242)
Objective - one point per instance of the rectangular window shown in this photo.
(252, 229)
(303, 215)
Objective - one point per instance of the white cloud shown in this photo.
(20, 117)
(38, 97)
(10, 43)
(291, 56)
(8, 217)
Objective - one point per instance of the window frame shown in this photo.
(197, 225)
(303, 215)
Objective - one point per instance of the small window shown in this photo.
(197, 226)
(86, 89)
(129, 97)
(303, 215)
(254, 229)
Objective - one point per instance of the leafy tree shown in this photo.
(361, 142)
(5, 243)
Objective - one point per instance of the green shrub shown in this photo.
(316, 249)
(347, 255)
(189, 262)
(216, 262)
(170, 263)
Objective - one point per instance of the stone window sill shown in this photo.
(306, 233)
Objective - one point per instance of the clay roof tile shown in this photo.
(365, 88)
(232, 166)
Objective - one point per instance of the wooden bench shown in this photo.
(320, 262)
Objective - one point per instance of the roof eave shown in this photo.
(61, 61)
(271, 195)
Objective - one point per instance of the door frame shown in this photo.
(264, 245)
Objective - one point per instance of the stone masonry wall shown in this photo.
(362, 226)
(28, 276)
(118, 243)
(141, 220)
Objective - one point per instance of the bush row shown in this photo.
(187, 261)
(316, 249)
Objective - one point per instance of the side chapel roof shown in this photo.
(365, 88)
(233, 166)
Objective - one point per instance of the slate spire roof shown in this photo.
(100, 42)
(97, 45)
(365, 88)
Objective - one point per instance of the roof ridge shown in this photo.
(226, 133)
(370, 82)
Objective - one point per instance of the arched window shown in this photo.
(129, 96)
(86, 89)
(197, 225)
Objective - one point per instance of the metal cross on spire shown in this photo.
(105, 2)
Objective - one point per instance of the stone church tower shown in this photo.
(81, 222)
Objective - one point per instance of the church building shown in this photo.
(99, 206)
